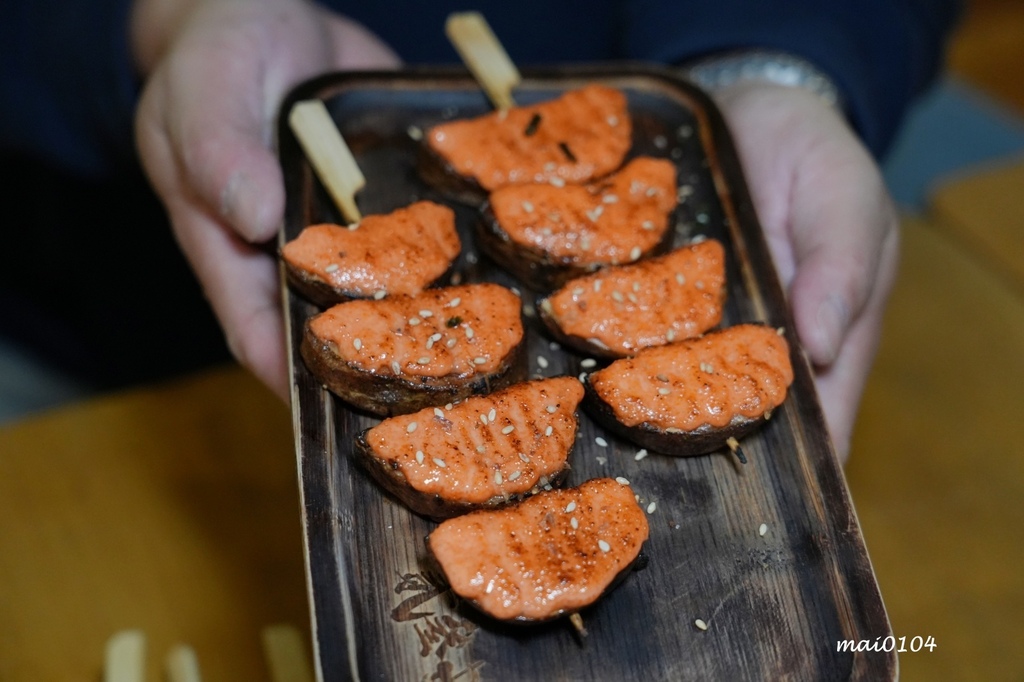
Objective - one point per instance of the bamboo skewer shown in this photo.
(182, 665)
(577, 623)
(330, 156)
(480, 49)
(734, 447)
(125, 657)
(286, 655)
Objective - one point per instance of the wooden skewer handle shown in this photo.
(182, 665)
(286, 654)
(125, 657)
(480, 49)
(330, 156)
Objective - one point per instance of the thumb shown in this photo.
(840, 229)
(356, 47)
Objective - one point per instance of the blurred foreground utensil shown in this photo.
(182, 665)
(480, 49)
(125, 657)
(286, 654)
(329, 155)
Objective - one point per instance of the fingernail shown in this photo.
(833, 316)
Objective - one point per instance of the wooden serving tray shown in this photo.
(776, 605)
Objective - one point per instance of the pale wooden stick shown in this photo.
(577, 623)
(125, 657)
(483, 54)
(182, 665)
(330, 156)
(286, 654)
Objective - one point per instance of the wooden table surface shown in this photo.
(174, 508)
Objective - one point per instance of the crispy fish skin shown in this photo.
(403, 353)
(402, 252)
(690, 397)
(485, 451)
(547, 556)
(620, 310)
(581, 135)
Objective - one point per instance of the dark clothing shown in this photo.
(68, 90)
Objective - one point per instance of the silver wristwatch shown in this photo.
(781, 68)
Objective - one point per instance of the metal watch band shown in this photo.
(781, 68)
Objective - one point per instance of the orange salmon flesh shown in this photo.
(582, 135)
(739, 372)
(448, 332)
(553, 553)
(656, 301)
(485, 447)
(402, 252)
(616, 220)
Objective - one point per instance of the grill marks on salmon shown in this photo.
(402, 353)
(402, 252)
(550, 555)
(545, 234)
(690, 397)
(581, 135)
(620, 310)
(482, 452)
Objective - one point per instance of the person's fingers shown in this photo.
(242, 286)
(218, 133)
(841, 383)
(840, 221)
(222, 128)
(239, 280)
(355, 47)
(832, 230)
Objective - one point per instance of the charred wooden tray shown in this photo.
(776, 598)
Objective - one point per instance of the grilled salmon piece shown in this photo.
(402, 353)
(582, 135)
(619, 310)
(690, 397)
(402, 252)
(550, 555)
(546, 235)
(482, 452)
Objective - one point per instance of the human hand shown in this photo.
(217, 71)
(832, 230)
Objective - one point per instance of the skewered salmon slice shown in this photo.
(403, 353)
(690, 397)
(619, 310)
(481, 452)
(582, 135)
(550, 555)
(545, 235)
(402, 252)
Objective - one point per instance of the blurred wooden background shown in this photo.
(988, 50)
(937, 470)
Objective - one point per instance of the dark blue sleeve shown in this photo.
(68, 87)
(881, 53)
(67, 83)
